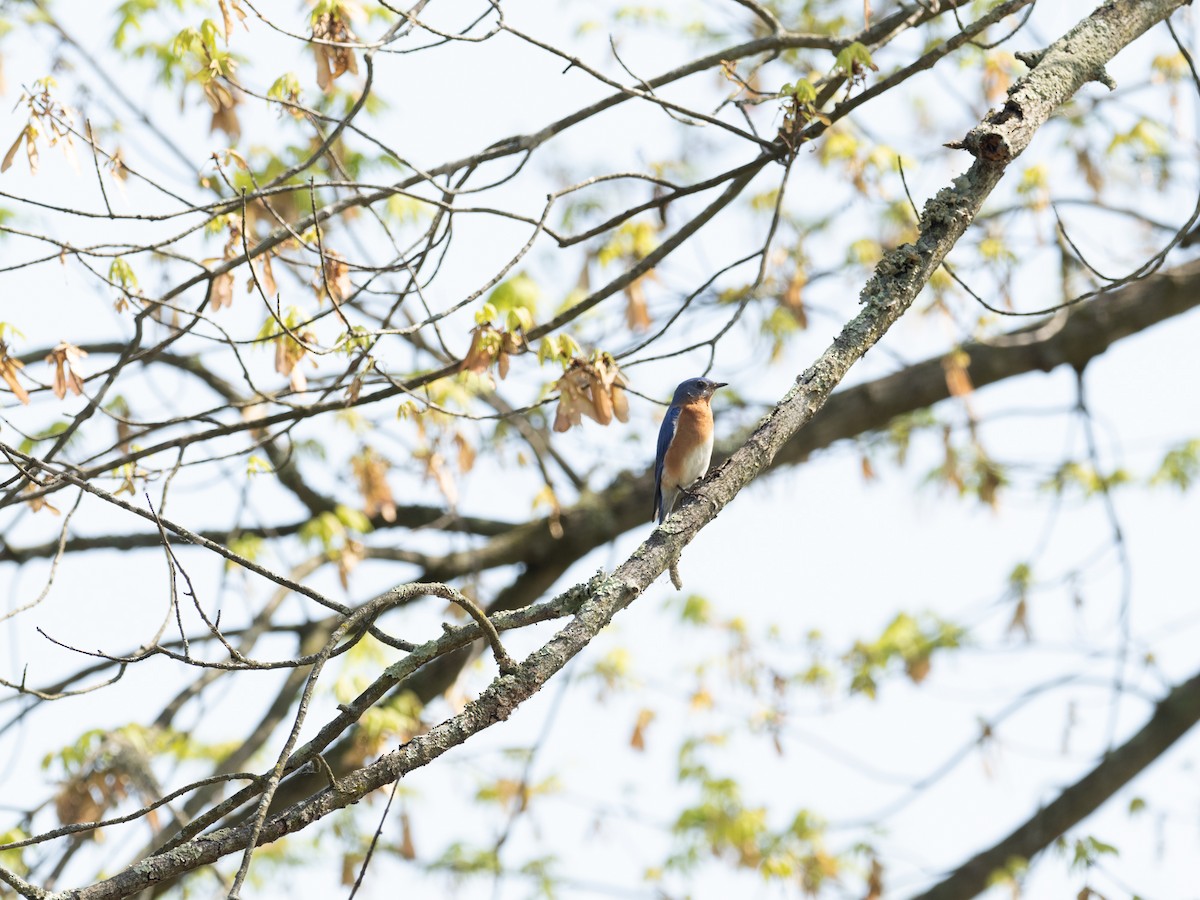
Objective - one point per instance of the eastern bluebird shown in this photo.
(685, 443)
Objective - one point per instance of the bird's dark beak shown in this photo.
(720, 384)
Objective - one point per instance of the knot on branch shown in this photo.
(985, 144)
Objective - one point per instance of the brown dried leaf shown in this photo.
(350, 864)
(37, 504)
(65, 358)
(288, 354)
(512, 341)
(435, 468)
(324, 76)
(284, 361)
(868, 471)
(989, 483)
(958, 380)
(594, 389)
(793, 300)
(12, 151)
(31, 150)
(266, 277)
(996, 79)
(336, 279)
(116, 165)
(1020, 620)
(466, 453)
(483, 350)
(620, 402)
(637, 314)
(601, 400)
(226, 19)
(407, 850)
(224, 105)
(238, 158)
(332, 61)
(917, 669)
(75, 804)
(562, 418)
(1091, 173)
(638, 740)
(950, 462)
(574, 401)
(875, 880)
(222, 291)
(370, 469)
(348, 559)
(9, 367)
(253, 413)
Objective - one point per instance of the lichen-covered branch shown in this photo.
(900, 276)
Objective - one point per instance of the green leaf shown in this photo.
(462, 860)
(802, 90)
(247, 546)
(1180, 467)
(908, 641)
(13, 860)
(122, 275)
(285, 87)
(1010, 873)
(853, 59)
(696, 610)
(518, 292)
(56, 428)
(486, 314)
(518, 319)
(1087, 851)
(1086, 479)
(353, 519)
(1020, 578)
(560, 348)
(256, 465)
(633, 241)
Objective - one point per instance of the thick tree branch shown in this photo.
(1174, 715)
(890, 292)
(874, 35)
(1085, 333)
(1088, 331)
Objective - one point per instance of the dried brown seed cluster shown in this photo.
(595, 389)
(491, 345)
(333, 61)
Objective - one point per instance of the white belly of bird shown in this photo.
(695, 464)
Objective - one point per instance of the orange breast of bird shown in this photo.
(691, 449)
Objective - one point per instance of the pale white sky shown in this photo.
(813, 548)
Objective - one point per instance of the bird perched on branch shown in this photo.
(685, 443)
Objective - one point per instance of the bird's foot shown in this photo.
(694, 493)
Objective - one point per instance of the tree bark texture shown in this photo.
(1065, 66)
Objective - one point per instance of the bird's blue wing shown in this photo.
(665, 433)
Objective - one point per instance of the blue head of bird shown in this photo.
(695, 389)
